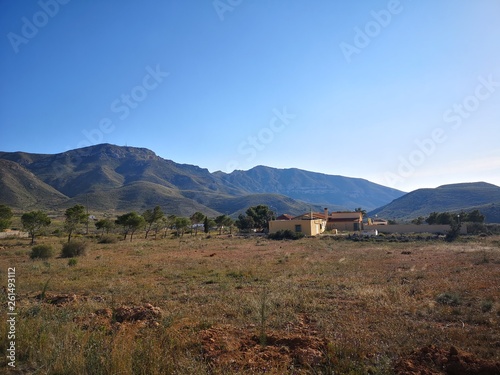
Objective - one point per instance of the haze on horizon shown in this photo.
(402, 93)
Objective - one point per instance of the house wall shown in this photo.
(344, 226)
(413, 228)
(308, 227)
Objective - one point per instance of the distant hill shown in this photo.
(114, 178)
(19, 188)
(450, 198)
(335, 192)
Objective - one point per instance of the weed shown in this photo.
(486, 306)
(44, 289)
(372, 308)
(72, 262)
(263, 317)
(450, 299)
(108, 240)
(235, 275)
(73, 249)
(286, 234)
(42, 252)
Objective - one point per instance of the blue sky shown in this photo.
(402, 93)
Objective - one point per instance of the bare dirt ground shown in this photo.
(228, 305)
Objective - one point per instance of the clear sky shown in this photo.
(402, 93)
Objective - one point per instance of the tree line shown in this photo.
(448, 218)
(151, 221)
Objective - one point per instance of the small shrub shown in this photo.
(72, 262)
(286, 234)
(454, 233)
(58, 233)
(107, 239)
(486, 306)
(450, 299)
(42, 252)
(73, 249)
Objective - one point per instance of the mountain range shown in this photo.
(118, 179)
(114, 178)
(447, 198)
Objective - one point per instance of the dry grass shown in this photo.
(369, 302)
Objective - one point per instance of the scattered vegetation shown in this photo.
(5, 217)
(131, 223)
(74, 216)
(73, 249)
(234, 305)
(286, 234)
(34, 221)
(108, 239)
(42, 252)
(72, 262)
(450, 299)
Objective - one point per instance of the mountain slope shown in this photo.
(236, 205)
(20, 188)
(451, 198)
(336, 192)
(107, 166)
(125, 178)
(139, 196)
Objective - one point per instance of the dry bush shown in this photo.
(42, 252)
(73, 249)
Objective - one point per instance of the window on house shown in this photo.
(298, 228)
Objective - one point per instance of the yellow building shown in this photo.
(307, 226)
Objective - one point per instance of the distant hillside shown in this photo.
(107, 166)
(451, 198)
(139, 196)
(19, 188)
(278, 203)
(336, 192)
(110, 177)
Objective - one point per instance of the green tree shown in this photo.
(162, 224)
(454, 231)
(474, 217)
(197, 218)
(74, 216)
(181, 223)
(5, 216)
(131, 222)
(206, 228)
(418, 221)
(229, 223)
(432, 218)
(359, 209)
(104, 225)
(261, 215)
(167, 223)
(223, 221)
(244, 222)
(439, 218)
(445, 218)
(34, 221)
(159, 225)
(152, 217)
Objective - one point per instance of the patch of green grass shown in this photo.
(450, 299)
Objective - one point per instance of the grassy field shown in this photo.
(230, 305)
